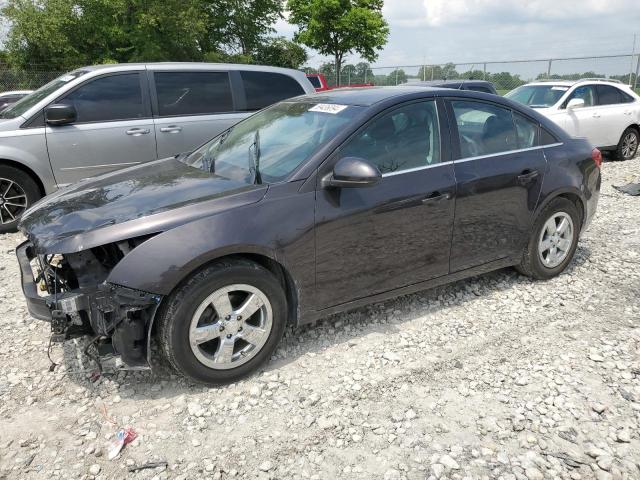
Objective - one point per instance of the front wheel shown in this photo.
(553, 240)
(18, 192)
(224, 322)
(628, 145)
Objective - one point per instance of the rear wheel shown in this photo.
(18, 191)
(628, 145)
(553, 240)
(224, 322)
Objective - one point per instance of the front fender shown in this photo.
(29, 148)
(279, 227)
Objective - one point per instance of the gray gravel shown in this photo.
(493, 377)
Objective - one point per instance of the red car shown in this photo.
(319, 82)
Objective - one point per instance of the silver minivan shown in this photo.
(101, 118)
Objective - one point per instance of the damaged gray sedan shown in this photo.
(312, 206)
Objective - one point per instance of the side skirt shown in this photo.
(311, 316)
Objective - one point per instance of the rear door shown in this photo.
(398, 232)
(190, 107)
(114, 128)
(614, 113)
(499, 171)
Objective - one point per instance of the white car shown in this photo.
(606, 112)
(11, 97)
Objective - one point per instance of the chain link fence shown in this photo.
(504, 75)
(25, 79)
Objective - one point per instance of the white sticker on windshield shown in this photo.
(564, 89)
(327, 108)
(67, 78)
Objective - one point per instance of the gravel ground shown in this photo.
(492, 377)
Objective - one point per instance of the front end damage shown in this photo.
(71, 291)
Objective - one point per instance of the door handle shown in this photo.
(435, 197)
(136, 132)
(596, 115)
(171, 129)
(527, 176)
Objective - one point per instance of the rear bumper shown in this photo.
(38, 306)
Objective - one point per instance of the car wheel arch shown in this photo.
(271, 264)
(572, 195)
(28, 171)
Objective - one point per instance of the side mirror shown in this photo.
(60, 114)
(352, 172)
(575, 103)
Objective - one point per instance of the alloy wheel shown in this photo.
(230, 326)
(629, 145)
(13, 201)
(556, 239)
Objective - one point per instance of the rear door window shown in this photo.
(265, 88)
(110, 98)
(193, 93)
(483, 128)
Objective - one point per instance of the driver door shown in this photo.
(586, 121)
(398, 232)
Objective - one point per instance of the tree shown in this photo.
(364, 72)
(66, 34)
(397, 77)
(340, 27)
(280, 52)
(240, 26)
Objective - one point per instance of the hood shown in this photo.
(136, 201)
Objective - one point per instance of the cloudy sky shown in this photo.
(438, 31)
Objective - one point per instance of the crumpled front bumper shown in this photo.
(39, 307)
(119, 317)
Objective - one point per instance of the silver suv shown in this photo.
(99, 119)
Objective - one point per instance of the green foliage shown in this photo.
(280, 52)
(340, 27)
(240, 26)
(65, 34)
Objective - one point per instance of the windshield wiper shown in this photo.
(254, 158)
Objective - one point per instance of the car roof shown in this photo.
(570, 83)
(187, 65)
(435, 83)
(365, 96)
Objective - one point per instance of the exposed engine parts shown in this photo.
(81, 302)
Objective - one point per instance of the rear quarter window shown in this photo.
(546, 137)
(266, 88)
(193, 93)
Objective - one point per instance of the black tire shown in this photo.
(626, 152)
(16, 182)
(175, 316)
(532, 265)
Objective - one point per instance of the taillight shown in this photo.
(597, 157)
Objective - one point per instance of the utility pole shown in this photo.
(633, 53)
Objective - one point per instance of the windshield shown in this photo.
(30, 100)
(538, 96)
(274, 141)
